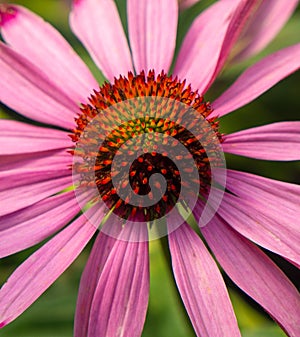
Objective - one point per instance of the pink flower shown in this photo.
(43, 79)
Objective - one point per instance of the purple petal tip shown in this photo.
(2, 325)
(6, 14)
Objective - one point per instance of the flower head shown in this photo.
(138, 157)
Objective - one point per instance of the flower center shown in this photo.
(128, 147)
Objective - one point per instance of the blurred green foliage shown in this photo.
(52, 314)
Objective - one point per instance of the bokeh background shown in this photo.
(52, 315)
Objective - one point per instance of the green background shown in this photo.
(52, 314)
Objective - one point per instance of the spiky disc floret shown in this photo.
(124, 132)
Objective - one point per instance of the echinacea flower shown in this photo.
(43, 79)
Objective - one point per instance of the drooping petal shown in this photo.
(101, 250)
(21, 138)
(89, 281)
(121, 297)
(45, 160)
(266, 22)
(278, 194)
(201, 286)
(281, 198)
(55, 164)
(29, 91)
(199, 61)
(33, 224)
(152, 27)
(97, 24)
(277, 141)
(44, 46)
(42, 268)
(263, 225)
(30, 188)
(30, 176)
(257, 79)
(256, 274)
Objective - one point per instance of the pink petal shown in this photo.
(201, 286)
(97, 24)
(265, 24)
(262, 225)
(46, 160)
(239, 20)
(257, 79)
(29, 178)
(30, 92)
(277, 141)
(18, 170)
(44, 46)
(183, 4)
(31, 225)
(27, 190)
(89, 281)
(198, 61)
(21, 138)
(152, 27)
(42, 268)
(256, 274)
(281, 196)
(282, 199)
(25, 177)
(121, 297)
